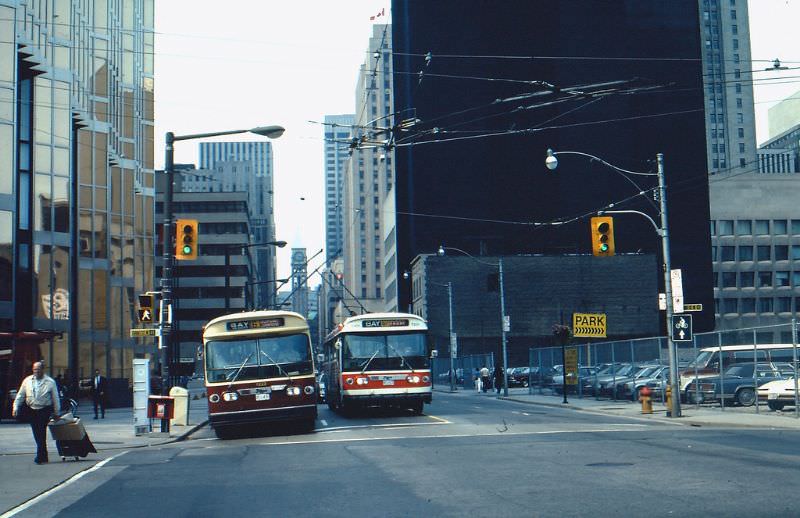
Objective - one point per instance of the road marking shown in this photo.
(439, 419)
(324, 422)
(443, 436)
(398, 425)
(74, 478)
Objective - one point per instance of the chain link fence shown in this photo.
(609, 369)
(464, 368)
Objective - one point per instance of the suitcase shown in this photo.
(71, 438)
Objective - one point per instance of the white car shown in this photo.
(777, 394)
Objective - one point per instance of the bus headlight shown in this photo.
(412, 379)
(230, 396)
(293, 391)
(308, 389)
(349, 381)
(362, 381)
(426, 379)
(214, 398)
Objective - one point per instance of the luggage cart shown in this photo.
(71, 438)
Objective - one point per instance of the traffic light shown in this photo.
(603, 236)
(186, 239)
(147, 313)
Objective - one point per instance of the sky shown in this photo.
(247, 63)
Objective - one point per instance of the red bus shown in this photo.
(259, 368)
(378, 359)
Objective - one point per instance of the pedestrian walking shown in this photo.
(498, 378)
(99, 393)
(37, 400)
(476, 378)
(484, 378)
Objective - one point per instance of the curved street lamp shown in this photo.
(168, 252)
(503, 325)
(551, 162)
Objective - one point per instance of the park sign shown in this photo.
(589, 325)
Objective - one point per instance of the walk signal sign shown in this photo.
(602, 236)
(145, 316)
(186, 239)
(147, 313)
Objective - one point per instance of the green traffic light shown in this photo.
(604, 247)
(187, 250)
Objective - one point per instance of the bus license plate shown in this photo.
(388, 382)
(772, 395)
(262, 397)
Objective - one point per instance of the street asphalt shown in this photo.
(470, 454)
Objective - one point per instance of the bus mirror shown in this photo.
(320, 358)
(434, 353)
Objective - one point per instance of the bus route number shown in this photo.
(384, 323)
(241, 325)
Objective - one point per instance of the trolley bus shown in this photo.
(258, 368)
(378, 359)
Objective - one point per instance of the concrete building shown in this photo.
(247, 166)
(369, 175)
(338, 131)
(540, 291)
(784, 116)
(756, 253)
(76, 186)
(331, 295)
(200, 285)
(728, 86)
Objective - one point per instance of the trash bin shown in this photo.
(181, 412)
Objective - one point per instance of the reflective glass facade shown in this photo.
(76, 183)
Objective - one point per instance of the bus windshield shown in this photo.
(384, 351)
(257, 358)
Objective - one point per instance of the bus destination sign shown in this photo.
(402, 322)
(264, 323)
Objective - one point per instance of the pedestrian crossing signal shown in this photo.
(602, 236)
(186, 239)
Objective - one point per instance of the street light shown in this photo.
(503, 321)
(552, 162)
(168, 251)
(279, 244)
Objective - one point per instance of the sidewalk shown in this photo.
(705, 415)
(23, 480)
(115, 432)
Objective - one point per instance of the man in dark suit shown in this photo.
(99, 393)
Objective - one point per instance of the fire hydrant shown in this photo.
(669, 400)
(647, 402)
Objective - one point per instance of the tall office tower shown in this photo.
(369, 175)
(299, 282)
(259, 180)
(728, 86)
(220, 280)
(76, 186)
(338, 130)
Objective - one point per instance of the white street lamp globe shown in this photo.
(551, 161)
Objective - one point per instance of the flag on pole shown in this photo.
(381, 13)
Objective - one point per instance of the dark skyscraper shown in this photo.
(495, 84)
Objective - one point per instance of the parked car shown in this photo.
(652, 377)
(617, 386)
(605, 383)
(584, 373)
(777, 394)
(519, 376)
(735, 384)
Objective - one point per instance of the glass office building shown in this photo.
(76, 183)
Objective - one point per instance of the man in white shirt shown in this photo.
(38, 392)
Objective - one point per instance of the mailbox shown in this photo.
(160, 407)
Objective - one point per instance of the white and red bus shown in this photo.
(378, 359)
(259, 368)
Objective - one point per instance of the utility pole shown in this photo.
(452, 338)
(675, 411)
